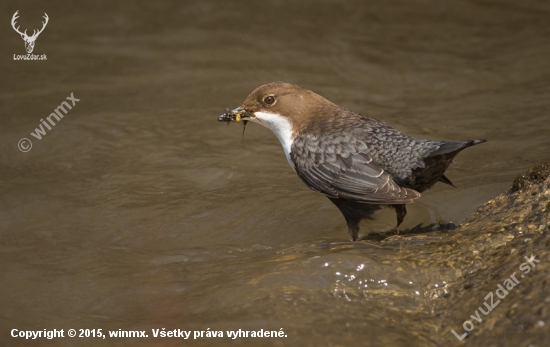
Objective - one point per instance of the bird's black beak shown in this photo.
(235, 115)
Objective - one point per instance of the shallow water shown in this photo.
(139, 211)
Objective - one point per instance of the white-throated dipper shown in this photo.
(358, 162)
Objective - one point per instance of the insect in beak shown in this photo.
(237, 115)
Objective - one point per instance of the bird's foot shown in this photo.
(389, 233)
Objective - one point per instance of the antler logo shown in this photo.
(29, 40)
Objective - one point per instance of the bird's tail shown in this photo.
(447, 151)
(451, 148)
(436, 162)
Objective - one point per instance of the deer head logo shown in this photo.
(29, 40)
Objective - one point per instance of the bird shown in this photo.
(359, 163)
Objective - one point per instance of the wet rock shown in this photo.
(508, 232)
(536, 174)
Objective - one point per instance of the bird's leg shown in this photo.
(401, 212)
(353, 229)
(354, 213)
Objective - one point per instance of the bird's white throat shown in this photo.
(281, 127)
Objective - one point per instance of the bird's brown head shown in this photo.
(280, 104)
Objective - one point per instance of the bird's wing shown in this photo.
(337, 170)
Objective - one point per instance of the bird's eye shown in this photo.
(270, 99)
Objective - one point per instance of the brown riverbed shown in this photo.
(139, 211)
